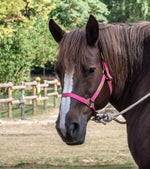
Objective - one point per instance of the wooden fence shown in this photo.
(34, 86)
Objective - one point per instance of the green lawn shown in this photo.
(44, 166)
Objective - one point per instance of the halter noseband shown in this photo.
(90, 102)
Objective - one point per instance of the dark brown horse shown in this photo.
(125, 48)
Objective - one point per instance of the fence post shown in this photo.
(55, 97)
(23, 105)
(10, 103)
(45, 95)
(34, 100)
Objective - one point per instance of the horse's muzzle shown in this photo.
(75, 134)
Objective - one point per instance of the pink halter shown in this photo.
(90, 102)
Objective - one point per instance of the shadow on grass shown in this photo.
(45, 166)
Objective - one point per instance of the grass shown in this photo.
(44, 166)
(16, 110)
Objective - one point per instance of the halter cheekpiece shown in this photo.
(90, 101)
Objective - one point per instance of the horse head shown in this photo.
(80, 70)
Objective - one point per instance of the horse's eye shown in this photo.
(91, 70)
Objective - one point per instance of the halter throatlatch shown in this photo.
(90, 101)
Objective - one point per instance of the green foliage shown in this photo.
(19, 14)
(25, 40)
(39, 44)
(10, 14)
(128, 11)
(22, 51)
(73, 13)
(14, 63)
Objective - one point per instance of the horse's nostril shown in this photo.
(73, 130)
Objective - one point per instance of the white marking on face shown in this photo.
(66, 101)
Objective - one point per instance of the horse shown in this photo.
(104, 63)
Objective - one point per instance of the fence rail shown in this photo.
(35, 87)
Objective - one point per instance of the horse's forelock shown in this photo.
(72, 49)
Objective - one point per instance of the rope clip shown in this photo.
(105, 118)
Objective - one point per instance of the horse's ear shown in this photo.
(56, 31)
(92, 31)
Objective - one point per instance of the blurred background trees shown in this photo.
(25, 41)
(128, 10)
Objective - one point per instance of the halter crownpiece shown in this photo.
(90, 101)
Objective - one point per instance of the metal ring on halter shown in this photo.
(90, 103)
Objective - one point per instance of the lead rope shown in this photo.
(108, 117)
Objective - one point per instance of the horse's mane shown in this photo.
(122, 46)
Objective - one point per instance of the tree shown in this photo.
(128, 11)
(21, 14)
(22, 41)
(73, 13)
(14, 65)
(25, 40)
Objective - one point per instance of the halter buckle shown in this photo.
(90, 103)
(107, 77)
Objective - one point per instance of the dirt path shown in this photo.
(36, 141)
